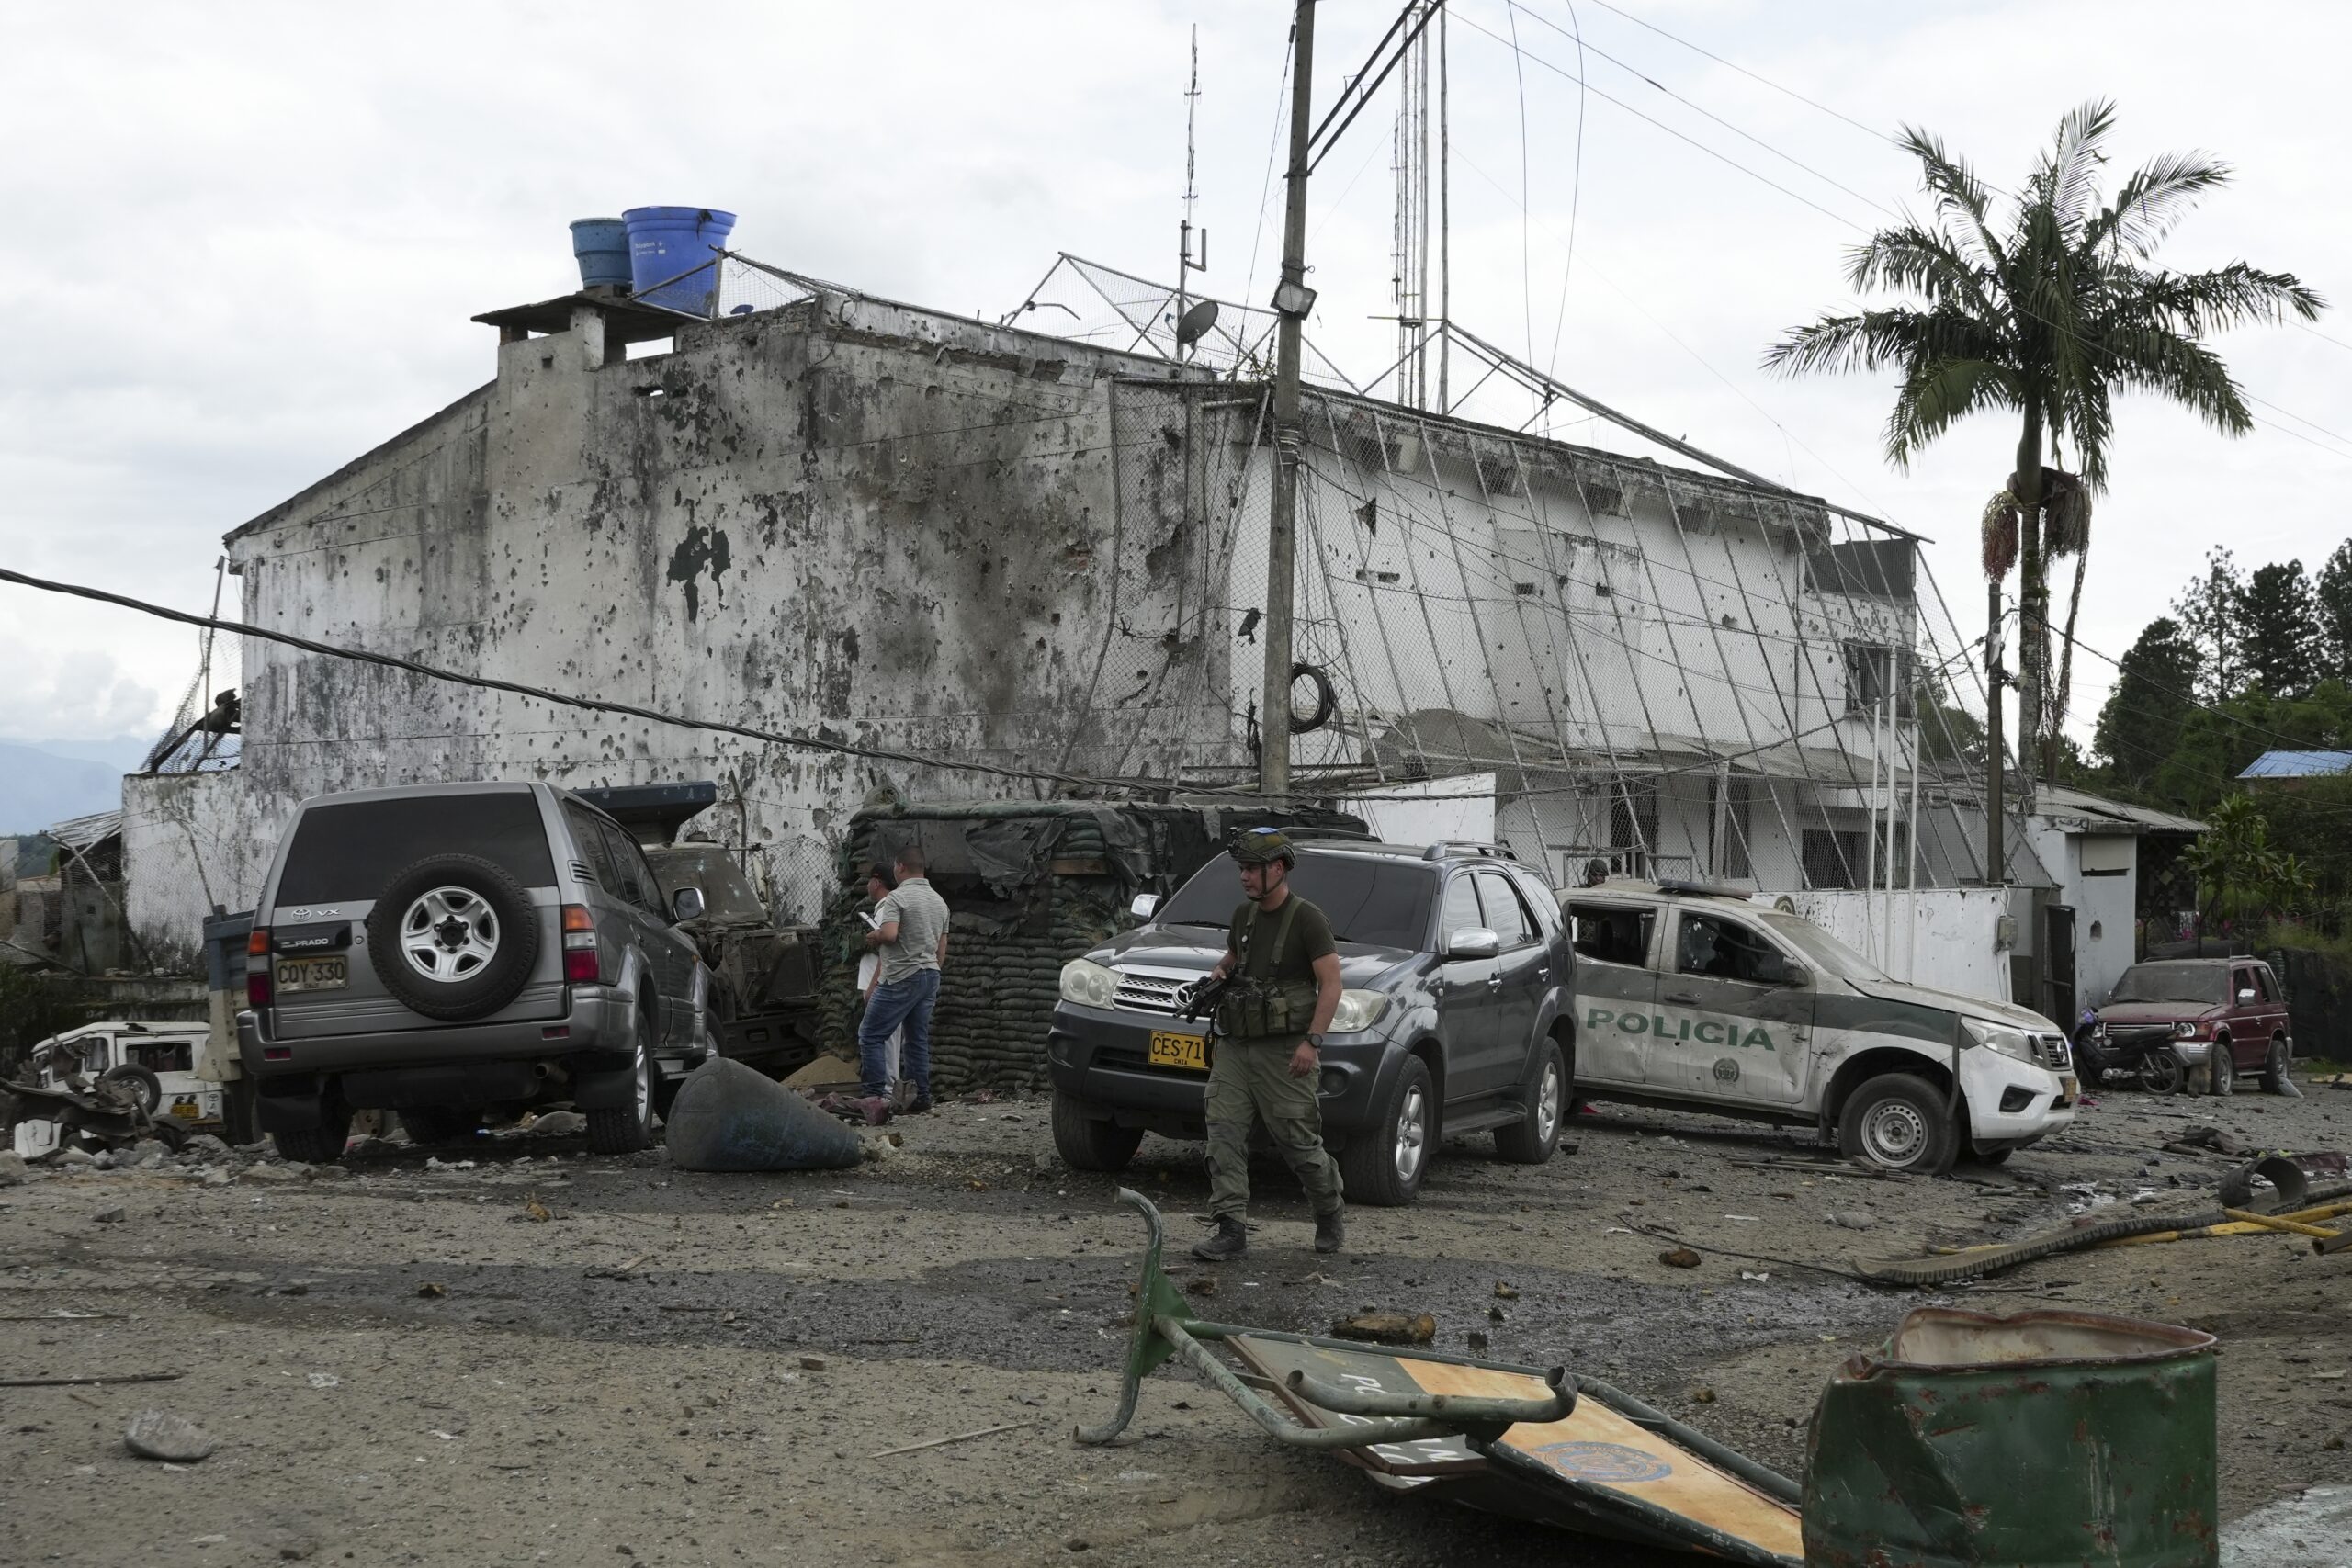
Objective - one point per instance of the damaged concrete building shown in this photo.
(921, 536)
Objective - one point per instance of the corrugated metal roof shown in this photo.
(81, 832)
(2299, 765)
(2100, 814)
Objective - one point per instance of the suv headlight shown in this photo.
(2002, 1038)
(1089, 984)
(2184, 1030)
(1358, 1010)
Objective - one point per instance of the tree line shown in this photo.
(2247, 662)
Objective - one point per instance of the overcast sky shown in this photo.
(244, 240)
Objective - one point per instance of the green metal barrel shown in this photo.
(2048, 1437)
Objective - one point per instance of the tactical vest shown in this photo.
(1253, 1008)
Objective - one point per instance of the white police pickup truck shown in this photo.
(1697, 996)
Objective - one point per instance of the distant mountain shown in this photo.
(46, 782)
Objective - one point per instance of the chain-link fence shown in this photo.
(1669, 673)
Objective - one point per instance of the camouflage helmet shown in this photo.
(1259, 846)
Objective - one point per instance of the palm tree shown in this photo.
(2046, 318)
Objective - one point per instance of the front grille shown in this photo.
(1143, 991)
(2051, 1048)
(2140, 1034)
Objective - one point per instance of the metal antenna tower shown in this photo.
(1184, 262)
(1410, 162)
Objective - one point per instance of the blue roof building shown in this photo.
(2299, 765)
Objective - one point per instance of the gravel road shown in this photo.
(403, 1363)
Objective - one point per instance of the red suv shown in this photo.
(2227, 1013)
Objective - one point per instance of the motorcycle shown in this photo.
(2146, 1054)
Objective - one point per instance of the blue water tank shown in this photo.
(600, 247)
(665, 242)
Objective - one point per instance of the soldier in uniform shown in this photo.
(1284, 988)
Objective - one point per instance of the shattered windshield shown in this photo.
(1378, 902)
(1818, 948)
(726, 893)
(2207, 985)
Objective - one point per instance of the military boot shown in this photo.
(1231, 1240)
(1331, 1230)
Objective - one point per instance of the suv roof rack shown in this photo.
(1446, 847)
(1356, 835)
(1687, 887)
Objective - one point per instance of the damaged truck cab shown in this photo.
(1693, 996)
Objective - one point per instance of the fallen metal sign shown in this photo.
(1544, 1445)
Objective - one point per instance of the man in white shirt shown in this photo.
(910, 936)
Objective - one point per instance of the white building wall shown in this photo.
(1947, 938)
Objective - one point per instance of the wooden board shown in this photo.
(1595, 1447)
(1602, 1447)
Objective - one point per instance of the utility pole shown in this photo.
(1293, 300)
(1996, 864)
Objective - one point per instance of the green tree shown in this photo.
(2282, 630)
(2044, 315)
(2333, 597)
(2212, 610)
(2140, 725)
(2219, 741)
(2240, 870)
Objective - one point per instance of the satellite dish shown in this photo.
(1196, 323)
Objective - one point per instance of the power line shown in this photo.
(1859, 228)
(1731, 64)
(594, 704)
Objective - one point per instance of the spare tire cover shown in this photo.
(728, 1117)
(453, 937)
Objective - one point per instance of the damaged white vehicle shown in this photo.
(1694, 996)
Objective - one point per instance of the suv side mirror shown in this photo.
(1144, 905)
(1473, 942)
(2245, 997)
(1794, 976)
(686, 904)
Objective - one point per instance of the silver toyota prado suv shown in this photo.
(445, 950)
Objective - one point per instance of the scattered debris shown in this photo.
(109, 1217)
(325, 1380)
(534, 1210)
(1387, 1327)
(1548, 1447)
(156, 1434)
(1679, 1258)
(1504, 1292)
(432, 1289)
(89, 1382)
(1853, 1220)
(957, 1437)
(1204, 1286)
(560, 1124)
(812, 1363)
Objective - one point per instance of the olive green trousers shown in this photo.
(1250, 1081)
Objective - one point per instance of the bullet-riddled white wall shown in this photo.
(1945, 938)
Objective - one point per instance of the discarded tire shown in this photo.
(728, 1117)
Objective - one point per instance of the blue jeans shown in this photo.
(899, 1003)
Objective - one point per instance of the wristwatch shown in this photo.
(1316, 1040)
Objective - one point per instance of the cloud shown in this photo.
(256, 255)
(73, 694)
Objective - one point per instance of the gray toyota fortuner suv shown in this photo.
(442, 950)
(1456, 1015)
